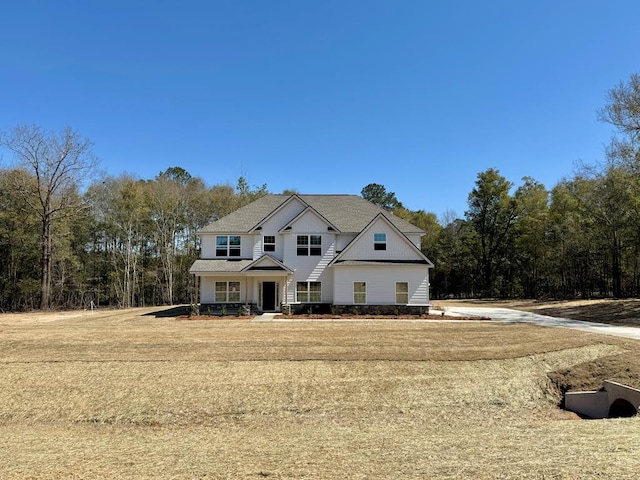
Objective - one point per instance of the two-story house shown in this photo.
(293, 252)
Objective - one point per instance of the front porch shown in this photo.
(226, 287)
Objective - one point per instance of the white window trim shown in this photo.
(270, 244)
(227, 292)
(355, 302)
(380, 243)
(308, 292)
(227, 247)
(402, 293)
(308, 246)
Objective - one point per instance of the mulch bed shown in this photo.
(215, 317)
(376, 317)
(330, 317)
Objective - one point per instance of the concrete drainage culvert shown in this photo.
(614, 400)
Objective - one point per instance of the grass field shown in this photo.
(134, 394)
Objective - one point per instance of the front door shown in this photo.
(268, 296)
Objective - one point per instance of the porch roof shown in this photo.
(201, 266)
(249, 267)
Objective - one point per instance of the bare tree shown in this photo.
(622, 110)
(58, 162)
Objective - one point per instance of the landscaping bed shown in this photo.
(317, 316)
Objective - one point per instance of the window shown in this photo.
(359, 292)
(227, 292)
(308, 292)
(402, 292)
(379, 241)
(269, 243)
(309, 245)
(228, 246)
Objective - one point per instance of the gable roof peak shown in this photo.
(347, 213)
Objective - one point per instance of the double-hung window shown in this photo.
(228, 246)
(402, 293)
(308, 292)
(269, 243)
(379, 241)
(359, 292)
(309, 245)
(227, 292)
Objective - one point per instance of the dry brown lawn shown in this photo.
(132, 394)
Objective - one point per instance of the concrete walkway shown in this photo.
(516, 316)
(265, 317)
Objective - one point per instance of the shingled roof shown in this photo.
(349, 214)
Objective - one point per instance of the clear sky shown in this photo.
(324, 96)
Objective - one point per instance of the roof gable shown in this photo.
(352, 213)
(246, 218)
(305, 214)
(289, 202)
(345, 213)
(266, 262)
(410, 252)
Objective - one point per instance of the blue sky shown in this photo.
(324, 96)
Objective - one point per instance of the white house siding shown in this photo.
(273, 225)
(208, 246)
(397, 246)
(343, 240)
(309, 268)
(415, 239)
(257, 247)
(282, 217)
(381, 282)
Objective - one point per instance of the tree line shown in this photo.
(68, 240)
(581, 238)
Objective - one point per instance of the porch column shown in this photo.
(286, 290)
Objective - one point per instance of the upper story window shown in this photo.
(309, 245)
(379, 241)
(269, 243)
(228, 246)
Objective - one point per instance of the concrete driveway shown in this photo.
(516, 316)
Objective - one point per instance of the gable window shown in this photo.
(379, 241)
(402, 292)
(269, 243)
(359, 292)
(309, 245)
(228, 246)
(227, 292)
(309, 292)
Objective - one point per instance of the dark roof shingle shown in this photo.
(349, 214)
